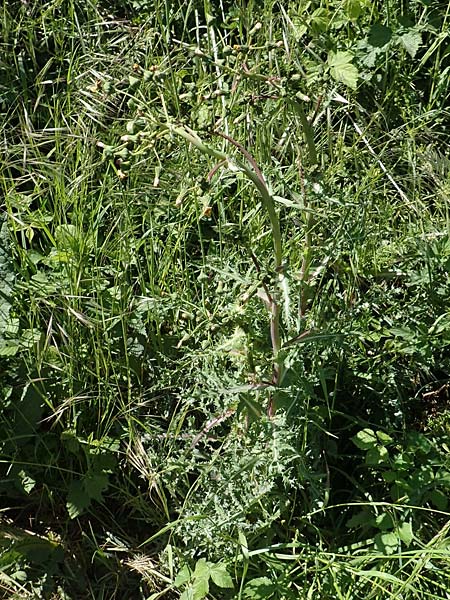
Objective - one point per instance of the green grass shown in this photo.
(224, 243)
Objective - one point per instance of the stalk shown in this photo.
(254, 174)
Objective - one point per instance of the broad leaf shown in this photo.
(377, 456)
(77, 499)
(411, 41)
(260, 588)
(365, 439)
(95, 484)
(405, 533)
(379, 35)
(220, 576)
(386, 542)
(342, 69)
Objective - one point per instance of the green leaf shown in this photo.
(411, 41)
(299, 27)
(188, 594)
(183, 576)
(260, 588)
(95, 484)
(384, 438)
(386, 542)
(377, 456)
(438, 498)
(342, 69)
(200, 588)
(66, 236)
(70, 440)
(244, 544)
(353, 9)
(9, 347)
(133, 82)
(201, 569)
(26, 481)
(365, 439)
(77, 499)
(405, 533)
(379, 35)
(384, 522)
(220, 576)
(319, 20)
(361, 518)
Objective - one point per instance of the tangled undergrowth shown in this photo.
(225, 256)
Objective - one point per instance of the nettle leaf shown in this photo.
(411, 41)
(365, 439)
(95, 484)
(379, 35)
(77, 499)
(342, 69)
(83, 491)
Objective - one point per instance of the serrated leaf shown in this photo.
(342, 69)
(411, 41)
(365, 439)
(405, 533)
(220, 576)
(95, 484)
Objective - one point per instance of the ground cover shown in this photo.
(224, 248)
